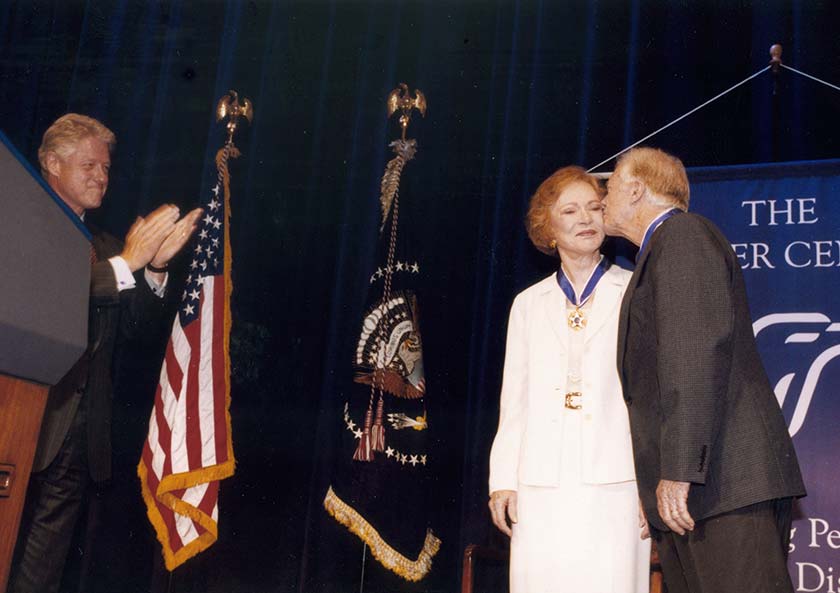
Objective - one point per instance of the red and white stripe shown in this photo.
(188, 448)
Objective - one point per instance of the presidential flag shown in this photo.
(189, 447)
(381, 484)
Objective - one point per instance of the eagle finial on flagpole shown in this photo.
(400, 98)
(230, 107)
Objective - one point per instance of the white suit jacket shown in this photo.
(526, 449)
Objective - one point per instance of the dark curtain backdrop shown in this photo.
(515, 90)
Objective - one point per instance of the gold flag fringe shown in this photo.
(410, 570)
(212, 473)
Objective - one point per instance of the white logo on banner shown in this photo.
(812, 376)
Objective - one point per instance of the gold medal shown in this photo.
(577, 320)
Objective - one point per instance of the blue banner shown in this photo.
(783, 221)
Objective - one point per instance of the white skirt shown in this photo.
(578, 538)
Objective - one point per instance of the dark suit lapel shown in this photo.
(98, 241)
(625, 311)
(105, 245)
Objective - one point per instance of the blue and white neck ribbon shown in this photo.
(576, 318)
(653, 226)
(566, 286)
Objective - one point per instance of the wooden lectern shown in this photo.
(45, 271)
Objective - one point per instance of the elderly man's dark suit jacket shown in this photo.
(701, 407)
(112, 315)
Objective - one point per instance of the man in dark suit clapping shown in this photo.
(715, 465)
(74, 446)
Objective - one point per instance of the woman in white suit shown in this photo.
(562, 482)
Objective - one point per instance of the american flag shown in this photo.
(189, 447)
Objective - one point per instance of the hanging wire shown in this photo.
(836, 88)
(683, 116)
(715, 98)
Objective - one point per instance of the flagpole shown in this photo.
(194, 369)
(362, 577)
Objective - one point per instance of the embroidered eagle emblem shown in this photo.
(389, 352)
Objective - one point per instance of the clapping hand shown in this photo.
(146, 236)
(177, 238)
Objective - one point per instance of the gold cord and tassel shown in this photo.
(363, 451)
(377, 432)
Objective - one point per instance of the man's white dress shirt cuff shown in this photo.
(125, 279)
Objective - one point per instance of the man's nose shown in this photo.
(100, 174)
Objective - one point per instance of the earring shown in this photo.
(552, 244)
